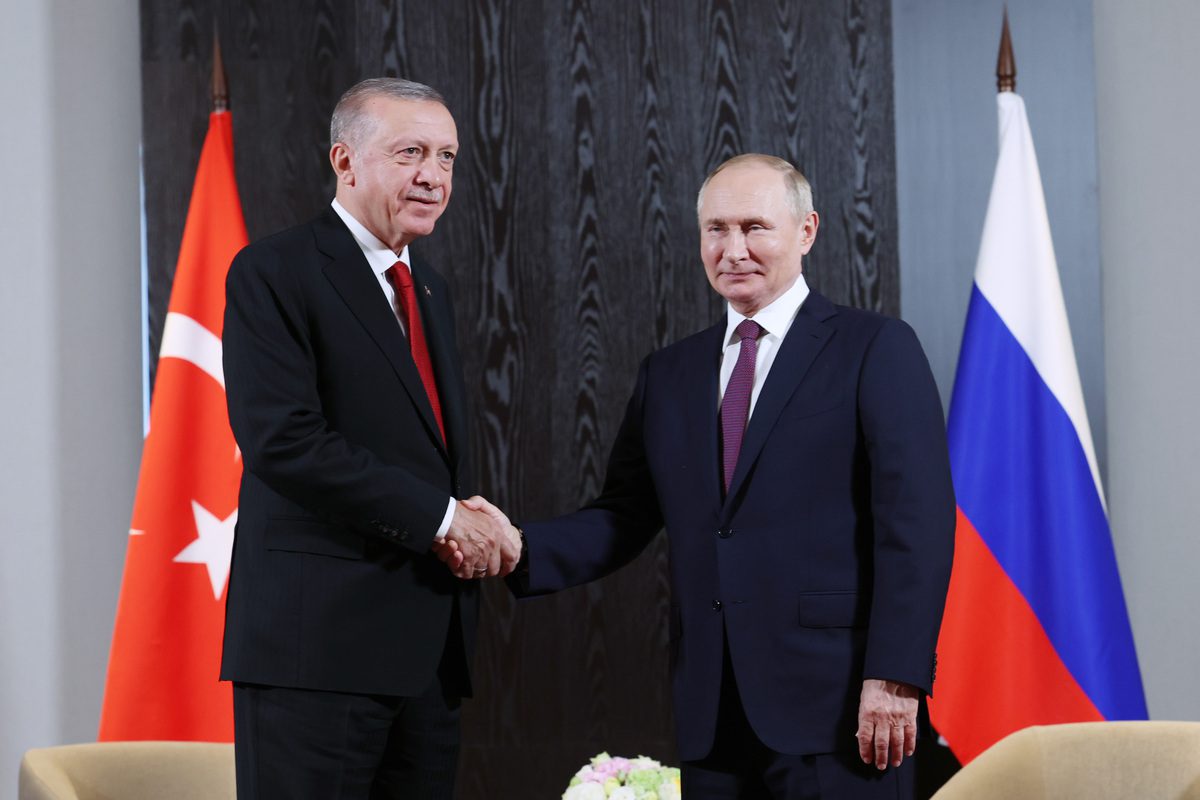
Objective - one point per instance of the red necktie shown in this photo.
(407, 297)
(735, 406)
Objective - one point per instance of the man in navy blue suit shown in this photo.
(796, 454)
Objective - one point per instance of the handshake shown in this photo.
(480, 543)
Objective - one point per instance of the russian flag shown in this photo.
(1035, 630)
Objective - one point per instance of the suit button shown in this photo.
(716, 605)
(725, 533)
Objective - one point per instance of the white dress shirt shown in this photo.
(380, 257)
(776, 320)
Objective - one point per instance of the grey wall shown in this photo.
(946, 144)
(70, 344)
(1146, 63)
(29, 700)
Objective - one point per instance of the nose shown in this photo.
(428, 174)
(735, 247)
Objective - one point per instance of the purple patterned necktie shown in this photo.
(735, 406)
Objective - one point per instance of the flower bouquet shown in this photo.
(608, 778)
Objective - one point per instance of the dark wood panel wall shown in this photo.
(571, 245)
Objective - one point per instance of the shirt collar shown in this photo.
(775, 318)
(379, 255)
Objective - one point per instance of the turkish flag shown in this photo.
(166, 649)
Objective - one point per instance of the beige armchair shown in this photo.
(1086, 761)
(129, 771)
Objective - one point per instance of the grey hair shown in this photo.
(350, 126)
(797, 190)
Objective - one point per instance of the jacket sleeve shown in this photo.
(277, 418)
(607, 533)
(912, 505)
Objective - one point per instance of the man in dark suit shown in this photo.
(348, 643)
(796, 454)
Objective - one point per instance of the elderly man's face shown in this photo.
(397, 181)
(750, 241)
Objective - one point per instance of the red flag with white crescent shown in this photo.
(166, 650)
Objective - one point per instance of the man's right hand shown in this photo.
(474, 540)
(508, 544)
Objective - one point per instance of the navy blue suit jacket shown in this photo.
(829, 559)
(346, 479)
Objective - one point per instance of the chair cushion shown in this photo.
(129, 771)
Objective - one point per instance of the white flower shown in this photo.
(606, 777)
(584, 791)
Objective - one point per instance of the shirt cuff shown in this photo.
(444, 528)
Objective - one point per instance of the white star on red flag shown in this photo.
(213, 546)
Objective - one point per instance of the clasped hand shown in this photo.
(481, 541)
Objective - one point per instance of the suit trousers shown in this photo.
(301, 743)
(304, 744)
(741, 767)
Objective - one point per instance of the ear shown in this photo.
(339, 157)
(808, 232)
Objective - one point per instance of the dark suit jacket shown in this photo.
(828, 561)
(346, 477)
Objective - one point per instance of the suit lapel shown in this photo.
(804, 341)
(438, 323)
(698, 382)
(353, 279)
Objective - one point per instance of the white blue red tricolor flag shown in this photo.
(1036, 630)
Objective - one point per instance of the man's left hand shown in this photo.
(887, 722)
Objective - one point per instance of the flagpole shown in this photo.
(1006, 65)
(220, 87)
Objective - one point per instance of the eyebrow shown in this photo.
(739, 221)
(402, 143)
